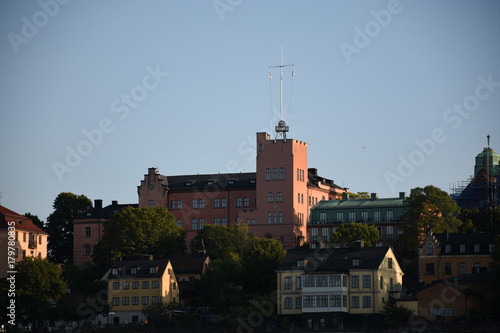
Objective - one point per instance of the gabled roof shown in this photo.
(334, 260)
(7, 215)
(188, 263)
(142, 267)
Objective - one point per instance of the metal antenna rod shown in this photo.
(281, 129)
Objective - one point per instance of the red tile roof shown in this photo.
(7, 215)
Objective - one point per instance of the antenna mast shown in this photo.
(282, 128)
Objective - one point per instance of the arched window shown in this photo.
(430, 249)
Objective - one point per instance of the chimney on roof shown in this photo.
(402, 195)
(359, 244)
(345, 196)
(148, 257)
(114, 202)
(98, 203)
(374, 196)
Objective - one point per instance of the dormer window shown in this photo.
(189, 183)
(462, 248)
(477, 248)
(355, 262)
(114, 271)
(133, 270)
(447, 248)
(152, 270)
(300, 263)
(430, 249)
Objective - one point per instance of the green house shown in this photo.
(384, 213)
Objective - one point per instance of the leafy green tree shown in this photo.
(428, 207)
(59, 224)
(39, 282)
(35, 219)
(483, 220)
(133, 232)
(347, 234)
(242, 265)
(260, 258)
(220, 241)
(395, 315)
(359, 195)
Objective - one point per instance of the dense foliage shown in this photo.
(347, 234)
(59, 224)
(242, 266)
(133, 232)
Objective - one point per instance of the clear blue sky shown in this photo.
(69, 68)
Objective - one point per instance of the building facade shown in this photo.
(134, 285)
(88, 229)
(274, 201)
(320, 287)
(19, 238)
(384, 213)
(449, 255)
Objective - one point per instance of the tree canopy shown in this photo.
(359, 195)
(59, 224)
(347, 234)
(35, 219)
(38, 282)
(242, 265)
(428, 207)
(133, 232)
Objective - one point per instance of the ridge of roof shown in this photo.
(27, 224)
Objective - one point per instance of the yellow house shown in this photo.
(134, 285)
(448, 255)
(320, 287)
(19, 238)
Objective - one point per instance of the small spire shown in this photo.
(488, 139)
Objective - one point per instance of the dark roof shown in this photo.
(360, 203)
(469, 239)
(209, 182)
(314, 180)
(105, 212)
(462, 289)
(7, 215)
(142, 266)
(188, 263)
(334, 260)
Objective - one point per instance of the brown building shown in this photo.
(448, 300)
(448, 255)
(274, 201)
(25, 238)
(88, 229)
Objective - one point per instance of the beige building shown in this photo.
(19, 238)
(134, 285)
(448, 255)
(319, 288)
